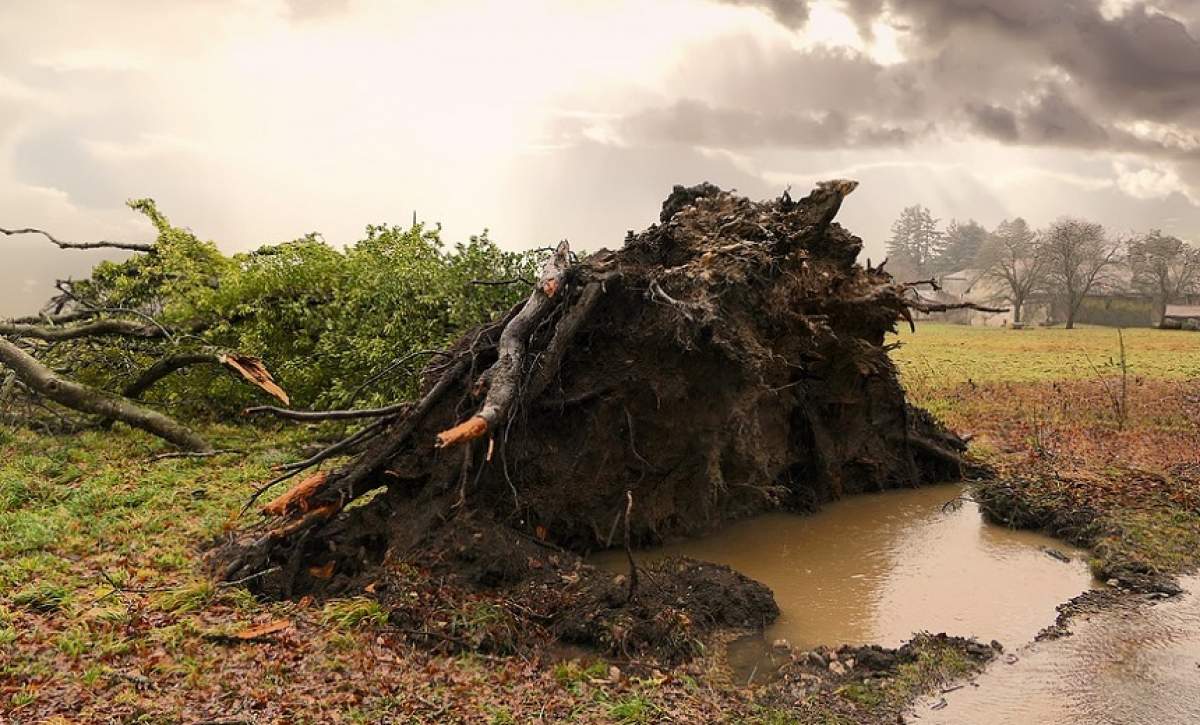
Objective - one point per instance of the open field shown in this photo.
(938, 355)
(105, 613)
(1109, 466)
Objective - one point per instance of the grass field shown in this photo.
(106, 614)
(938, 355)
(1113, 466)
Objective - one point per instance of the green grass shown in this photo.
(356, 613)
(940, 354)
(96, 502)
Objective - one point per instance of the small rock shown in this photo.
(995, 644)
(1112, 582)
(614, 673)
(837, 668)
(849, 663)
(781, 645)
(816, 660)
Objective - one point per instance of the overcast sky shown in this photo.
(255, 122)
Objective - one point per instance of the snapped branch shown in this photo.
(61, 244)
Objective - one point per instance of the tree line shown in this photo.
(1067, 260)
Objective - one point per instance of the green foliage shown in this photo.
(325, 320)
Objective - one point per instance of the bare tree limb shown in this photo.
(928, 307)
(289, 414)
(103, 244)
(84, 399)
(127, 328)
(165, 367)
(63, 319)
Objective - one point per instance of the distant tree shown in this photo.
(1164, 267)
(1079, 256)
(962, 245)
(1013, 257)
(916, 241)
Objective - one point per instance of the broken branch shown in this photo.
(127, 328)
(85, 399)
(103, 244)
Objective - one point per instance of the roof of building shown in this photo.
(1183, 311)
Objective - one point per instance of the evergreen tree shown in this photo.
(916, 240)
(963, 243)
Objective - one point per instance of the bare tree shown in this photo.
(1079, 256)
(1014, 258)
(1164, 267)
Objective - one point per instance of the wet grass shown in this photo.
(107, 614)
(1116, 470)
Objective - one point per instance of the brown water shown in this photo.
(1132, 664)
(877, 568)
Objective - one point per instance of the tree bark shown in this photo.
(79, 397)
(165, 367)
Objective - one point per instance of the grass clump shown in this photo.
(354, 613)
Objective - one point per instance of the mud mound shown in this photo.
(726, 361)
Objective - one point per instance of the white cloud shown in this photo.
(1150, 181)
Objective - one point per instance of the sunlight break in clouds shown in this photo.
(255, 122)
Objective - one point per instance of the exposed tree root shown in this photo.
(727, 361)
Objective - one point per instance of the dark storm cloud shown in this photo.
(1055, 73)
(994, 122)
(1141, 61)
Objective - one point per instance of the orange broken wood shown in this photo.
(263, 630)
(321, 572)
(320, 513)
(296, 498)
(255, 372)
(470, 429)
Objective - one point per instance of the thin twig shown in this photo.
(350, 414)
(194, 454)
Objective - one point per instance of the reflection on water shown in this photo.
(876, 568)
(1132, 664)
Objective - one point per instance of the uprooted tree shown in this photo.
(728, 360)
(145, 340)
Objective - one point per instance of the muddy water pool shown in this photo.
(1138, 662)
(876, 568)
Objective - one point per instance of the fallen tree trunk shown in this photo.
(727, 361)
(80, 397)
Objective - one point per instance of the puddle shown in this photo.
(1130, 664)
(877, 568)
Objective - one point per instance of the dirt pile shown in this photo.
(726, 361)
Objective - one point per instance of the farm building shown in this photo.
(1182, 317)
